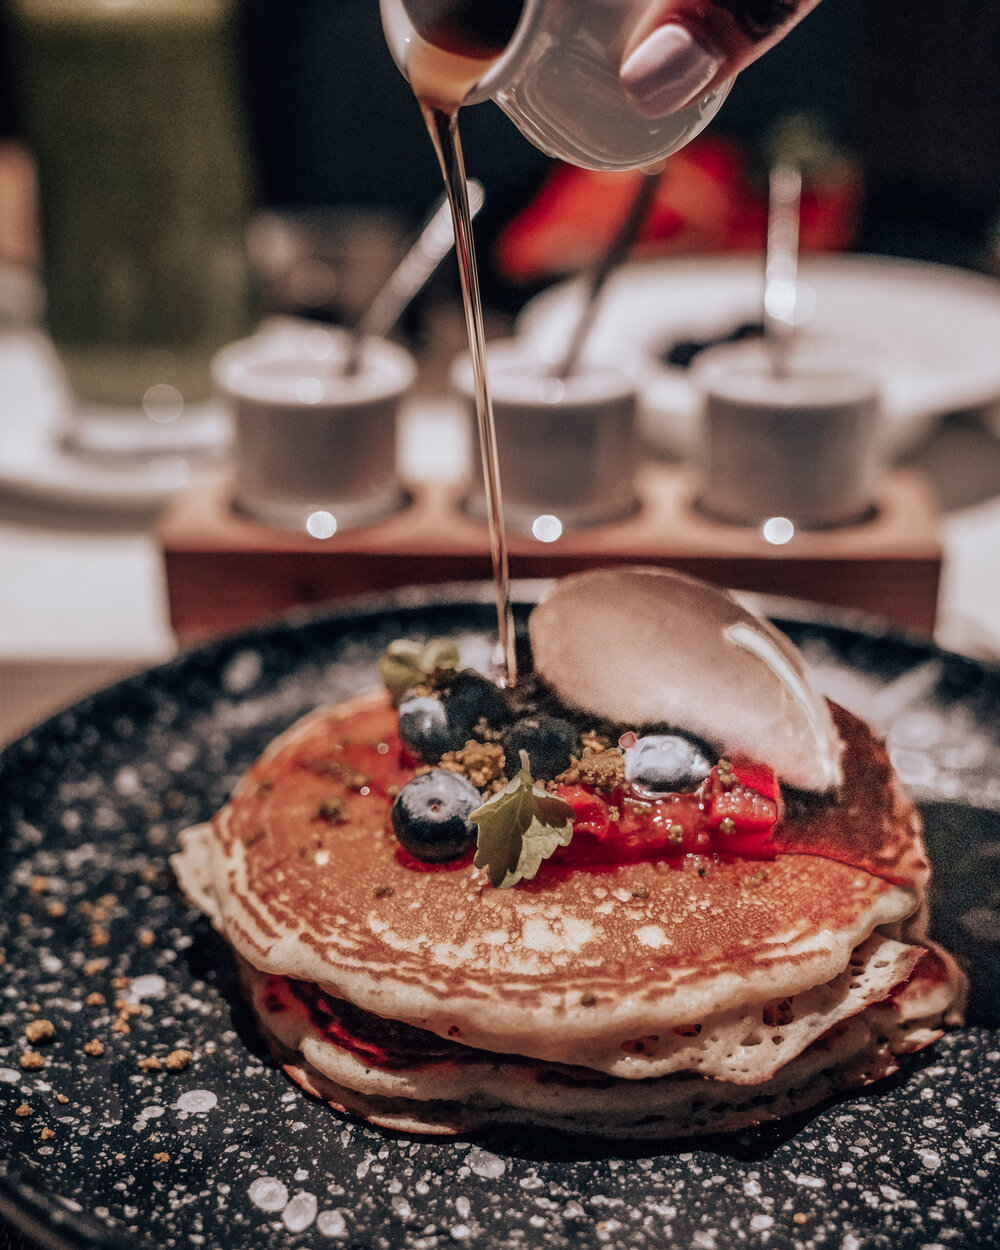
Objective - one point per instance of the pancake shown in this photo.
(656, 996)
(482, 1090)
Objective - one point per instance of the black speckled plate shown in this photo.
(226, 1152)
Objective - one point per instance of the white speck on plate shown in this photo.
(300, 1212)
(152, 985)
(331, 1224)
(197, 1100)
(242, 672)
(268, 1194)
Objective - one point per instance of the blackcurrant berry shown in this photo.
(549, 741)
(428, 729)
(471, 696)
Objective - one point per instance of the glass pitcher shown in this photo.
(552, 66)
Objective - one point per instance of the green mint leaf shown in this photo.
(518, 829)
(405, 663)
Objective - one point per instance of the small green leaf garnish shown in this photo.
(518, 828)
(405, 663)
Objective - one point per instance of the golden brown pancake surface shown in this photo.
(310, 882)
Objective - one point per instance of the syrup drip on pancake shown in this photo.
(869, 827)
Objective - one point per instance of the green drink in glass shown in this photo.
(133, 117)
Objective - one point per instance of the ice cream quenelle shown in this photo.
(660, 888)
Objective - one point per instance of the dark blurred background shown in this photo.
(910, 89)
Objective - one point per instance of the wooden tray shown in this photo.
(224, 571)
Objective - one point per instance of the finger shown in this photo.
(688, 47)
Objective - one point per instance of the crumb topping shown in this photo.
(333, 810)
(39, 1030)
(600, 766)
(481, 762)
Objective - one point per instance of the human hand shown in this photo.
(686, 48)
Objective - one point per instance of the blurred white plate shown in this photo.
(931, 333)
(35, 467)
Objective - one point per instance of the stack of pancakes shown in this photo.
(649, 999)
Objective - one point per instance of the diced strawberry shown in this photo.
(726, 815)
(749, 812)
(742, 803)
(757, 777)
(591, 812)
(665, 828)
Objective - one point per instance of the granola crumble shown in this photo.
(39, 1030)
(603, 769)
(481, 762)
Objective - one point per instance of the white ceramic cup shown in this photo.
(567, 448)
(315, 447)
(802, 444)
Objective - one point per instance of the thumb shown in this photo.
(686, 48)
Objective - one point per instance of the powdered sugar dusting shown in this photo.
(196, 1100)
(268, 1194)
(225, 1151)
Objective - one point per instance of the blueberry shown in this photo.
(430, 816)
(550, 742)
(429, 728)
(665, 764)
(471, 695)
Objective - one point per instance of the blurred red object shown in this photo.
(708, 201)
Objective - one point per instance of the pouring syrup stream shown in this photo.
(443, 126)
(450, 45)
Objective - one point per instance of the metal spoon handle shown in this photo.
(781, 267)
(432, 245)
(616, 252)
